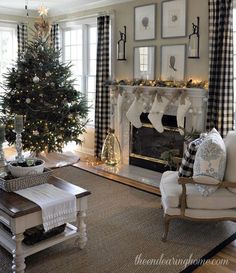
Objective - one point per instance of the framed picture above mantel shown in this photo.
(173, 62)
(173, 18)
(145, 22)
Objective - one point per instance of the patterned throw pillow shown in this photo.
(210, 162)
(186, 167)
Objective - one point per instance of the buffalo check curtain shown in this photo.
(22, 37)
(55, 36)
(102, 101)
(221, 94)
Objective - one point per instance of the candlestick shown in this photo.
(18, 123)
(3, 163)
(19, 148)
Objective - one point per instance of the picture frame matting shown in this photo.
(145, 22)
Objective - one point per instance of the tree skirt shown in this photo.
(52, 160)
(56, 160)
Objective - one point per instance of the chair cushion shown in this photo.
(171, 193)
(210, 161)
(186, 167)
(230, 170)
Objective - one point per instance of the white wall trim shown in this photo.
(56, 9)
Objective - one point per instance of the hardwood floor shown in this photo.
(229, 252)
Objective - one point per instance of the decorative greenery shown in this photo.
(171, 158)
(41, 88)
(158, 83)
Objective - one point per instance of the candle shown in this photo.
(2, 133)
(18, 123)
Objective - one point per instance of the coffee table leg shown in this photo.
(18, 257)
(82, 240)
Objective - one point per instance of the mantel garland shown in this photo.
(159, 83)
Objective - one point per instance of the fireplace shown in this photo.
(147, 145)
(136, 155)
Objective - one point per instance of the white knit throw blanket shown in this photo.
(58, 206)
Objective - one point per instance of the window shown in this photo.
(79, 45)
(8, 48)
(143, 59)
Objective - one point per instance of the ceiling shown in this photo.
(17, 7)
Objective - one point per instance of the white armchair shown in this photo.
(182, 199)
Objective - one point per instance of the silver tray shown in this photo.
(24, 182)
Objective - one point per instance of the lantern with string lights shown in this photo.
(111, 151)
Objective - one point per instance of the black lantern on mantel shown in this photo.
(121, 46)
(193, 43)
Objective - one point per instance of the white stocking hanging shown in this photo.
(134, 112)
(184, 105)
(157, 111)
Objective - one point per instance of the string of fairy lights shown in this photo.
(161, 83)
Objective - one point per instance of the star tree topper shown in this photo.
(43, 11)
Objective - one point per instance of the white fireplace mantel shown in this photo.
(195, 118)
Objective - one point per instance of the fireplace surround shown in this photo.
(194, 120)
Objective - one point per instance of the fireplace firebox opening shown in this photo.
(147, 144)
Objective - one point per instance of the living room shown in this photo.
(117, 138)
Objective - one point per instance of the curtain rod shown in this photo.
(102, 13)
(8, 21)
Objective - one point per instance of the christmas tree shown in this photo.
(41, 88)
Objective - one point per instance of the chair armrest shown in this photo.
(190, 180)
(227, 184)
(183, 181)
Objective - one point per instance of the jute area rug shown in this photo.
(124, 227)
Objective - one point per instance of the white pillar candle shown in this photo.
(2, 133)
(19, 125)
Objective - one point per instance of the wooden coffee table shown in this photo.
(19, 214)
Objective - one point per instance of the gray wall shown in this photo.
(124, 15)
(195, 68)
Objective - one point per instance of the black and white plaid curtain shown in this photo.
(55, 36)
(22, 37)
(221, 94)
(102, 103)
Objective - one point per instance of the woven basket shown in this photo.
(25, 182)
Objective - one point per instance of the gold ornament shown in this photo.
(35, 132)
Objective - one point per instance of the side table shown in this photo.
(19, 214)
